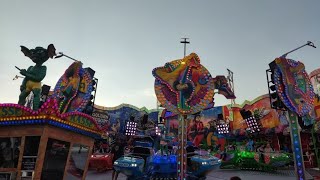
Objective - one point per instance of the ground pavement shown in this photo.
(226, 174)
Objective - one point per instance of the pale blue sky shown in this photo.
(123, 40)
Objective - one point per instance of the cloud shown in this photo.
(149, 92)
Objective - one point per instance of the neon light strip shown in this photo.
(51, 122)
(296, 146)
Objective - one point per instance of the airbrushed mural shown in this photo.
(201, 127)
(270, 120)
(113, 120)
(203, 130)
(315, 80)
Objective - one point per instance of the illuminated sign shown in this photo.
(11, 111)
(100, 116)
(82, 121)
(102, 119)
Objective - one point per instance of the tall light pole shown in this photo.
(185, 42)
(182, 137)
(309, 43)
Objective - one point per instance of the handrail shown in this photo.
(136, 155)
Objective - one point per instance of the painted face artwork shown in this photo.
(184, 86)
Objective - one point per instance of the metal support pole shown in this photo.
(309, 43)
(296, 146)
(182, 134)
(185, 42)
(315, 148)
(182, 156)
(61, 54)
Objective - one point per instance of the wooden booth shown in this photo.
(45, 144)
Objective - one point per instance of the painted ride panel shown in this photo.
(135, 165)
(101, 162)
(201, 165)
(131, 166)
(255, 160)
(165, 166)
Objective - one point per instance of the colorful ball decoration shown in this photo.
(293, 85)
(184, 86)
(73, 89)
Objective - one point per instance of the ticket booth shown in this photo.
(44, 145)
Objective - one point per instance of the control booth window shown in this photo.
(77, 161)
(55, 159)
(9, 152)
(31, 146)
(29, 158)
(8, 175)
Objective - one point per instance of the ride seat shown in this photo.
(190, 152)
(142, 152)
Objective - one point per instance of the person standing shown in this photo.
(267, 153)
(117, 150)
(268, 149)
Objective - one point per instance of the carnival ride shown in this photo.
(186, 87)
(255, 160)
(182, 86)
(135, 165)
(273, 129)
(198, 165)
(143, 163)
(294, 89)
(101, 161)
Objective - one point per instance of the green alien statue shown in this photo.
(34, 74)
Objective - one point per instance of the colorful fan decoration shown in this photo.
(293, 85)
(73, 90)
(184, 86)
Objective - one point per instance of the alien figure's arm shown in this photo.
(36, 75)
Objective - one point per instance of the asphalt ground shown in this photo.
(288, 174)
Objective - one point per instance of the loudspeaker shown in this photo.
(90, 71)
(45, 89)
